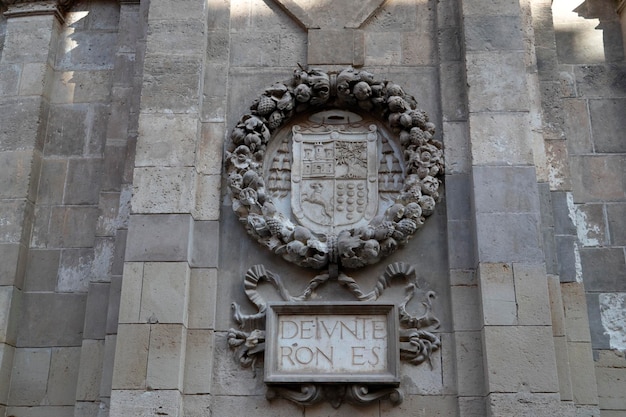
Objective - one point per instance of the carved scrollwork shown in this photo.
(416, 187)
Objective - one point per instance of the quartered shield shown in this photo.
(334, 182)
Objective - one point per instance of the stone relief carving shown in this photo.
(336, 169)
(417, 340)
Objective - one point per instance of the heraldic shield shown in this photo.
(334, 177)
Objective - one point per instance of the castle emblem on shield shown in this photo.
(334, 178)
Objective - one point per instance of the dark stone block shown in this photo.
(566, 257)
(607, 120)
(599, 339)
(604, 269)
(96, 311)
(41, 270)
(205, 244)
(489, 33)
(83, 181)
(457, 199)
(617, 223)
(158, 237)
(505, 189)
(563, 224)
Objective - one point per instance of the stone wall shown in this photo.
(120, 254)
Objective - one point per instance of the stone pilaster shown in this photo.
(32, 31)
(518, 352)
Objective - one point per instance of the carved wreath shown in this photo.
(349, 89)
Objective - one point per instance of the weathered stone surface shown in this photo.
(186, 37)
(163, 190)
(29, 39)
(616, 214)
(146, 403)
(606, 119)
(493, 33)
(166, 140)
(171, 83)
(597, 178)
(108, 362)
(41, 270)
(210, 148)
(584, 385)
(466, 308)
(454, 94)
(62, 379)
(520, 358)
(51, 319)
(68, 130)
(208, 198)
(531, 294)
(164, 293)
(166, 357)
(528, 405)
(198, 362)
(458, 153)
(10, 305)
(75, 270)
(230, 405)
(505, 189)
(30, 376)
(469, 364)
(83, 181)
(90, 370)
(16, 169)
(567, 253)
(15, 132)
(603, 269)
(96, 312)
(72, 226)
(131, 357)
(511, 237)
(92, 50)
(130, 298)
(600, 81)
(202, 298)
(421, 406)
(7, 353)
(576, 319)
(563, 368)
(52, 181)
(9, 79)
(500, 138)
(81, 86)
(162, 237)
(497, 292)
(205, 244)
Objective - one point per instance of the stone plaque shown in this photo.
(348, 342)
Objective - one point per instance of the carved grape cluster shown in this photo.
(349, 89)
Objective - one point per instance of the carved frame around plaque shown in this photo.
(334, 171)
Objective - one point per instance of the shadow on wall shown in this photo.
(589, 33)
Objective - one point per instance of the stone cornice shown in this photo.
(17, 8)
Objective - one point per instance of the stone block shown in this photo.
(159, 237)
(92, 50)
(563, 222)
(81, 86)
(472, 407)
(11, 223)
(87, 408)
(7, 353)
(266, 47)
(90, 370)
(469, 364)
(500, 138)
(19, 125)
(509, 237)
(563, 368)
(10, 305)
(75, 270)
(68, 130)
(9, 79)
(197, 405)
(11, 262)
(466, 308)
(52, 181)
(108, 363)
(453, 92)
(427, 379)
(186, 37)
(104, 249)
(166, 140)
(230, 405)
(420, 47)
(616, 214)
(577, 125)
(491, 73)
(218, 15)
(166, 357)
(16, 173)
(591, 224)
(40, 235)
(505, 189)
(463, 277)
(531, 294)
(205, 244)
(526, 404)
(83, 181)
(611, 388)
(458, 153)
(164, 293)
(229, 378)
(185, 9)
(63, 376)
(584, 385)
(556, 306)
(576, 319)
(108, 206)
(382, 49)
(41, 270)
(210, 148)
(198, 362)
(42, 411)
(96, 312)
(600, 81)
(599, 338)
(131, 357)
(603, 269)
(458, 205)
(163, 190)
(146, 403)
(492, 8)
(28, 39)
(72, 227)
(171, 83)
(130, 298)
(606, 119)
(52, 319)
(29, 377)
(98, 120)
(449, 42)
(208, 197)
(493, 33)
(461, 251)
(421, 406)
(598, 177)
(218, 43)
(520, 358)
(202, 298)
(497, 293)
(113, 309)
(567, 253)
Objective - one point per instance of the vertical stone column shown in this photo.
(150, 357)
(518, 351)
(32, 31)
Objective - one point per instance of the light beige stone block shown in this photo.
(210, 148)
(130, 298)
(531, 294)
(469, 364)
(90, 370)
(575, 307)
(198, 362)
(63, 377)
(166, 140)
(164, 190)
(472, 407)
(164, 293)
(563, 367)
(519, 358)
(458, 152)
(202, 298)
(197, 405)
(146, 403)
(81, 86)
(497, 293)
(131, 356)
(43, 411)
(30, 376)
(208, 198)
(424, 379)
(584, 385)
(421, 406)
(166, 356)
(500, 138)
(525, 404)
(239, 406)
